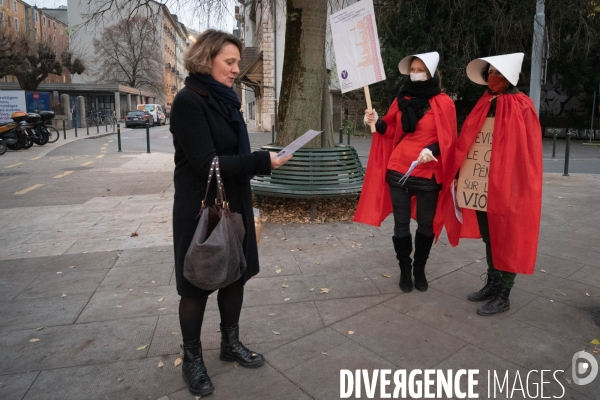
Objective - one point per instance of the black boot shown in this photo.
(233, 350)
(499, 303)
(488, 291)
(403, 247)
(194, 371)
(422, 248)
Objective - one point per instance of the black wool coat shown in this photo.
(201, 132)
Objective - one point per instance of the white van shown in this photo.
(156, 111)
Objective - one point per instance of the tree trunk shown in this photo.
(304, 100)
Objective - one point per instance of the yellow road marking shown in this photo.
(102, 148)
(87, 163)
(63, 174)
(100, 156)
(29, 189)
(14, 165)
(105, 144)
(36, 158)
(110, 141)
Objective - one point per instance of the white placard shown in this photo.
(356, 44)
(296, 144)
(11, 101)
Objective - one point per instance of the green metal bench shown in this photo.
(313, 173)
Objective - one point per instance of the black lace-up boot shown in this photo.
(403, 248)
(499, 303)
(233, 350)
(488, 291)
(194, 371)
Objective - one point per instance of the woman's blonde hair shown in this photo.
(198, 56)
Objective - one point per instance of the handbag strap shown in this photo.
(221, 198)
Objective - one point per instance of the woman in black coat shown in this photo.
(206, 122)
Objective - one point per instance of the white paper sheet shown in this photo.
(457, 209)
(298, 143)
(410, 170)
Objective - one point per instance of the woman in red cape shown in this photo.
(419, 126)
(511, 225)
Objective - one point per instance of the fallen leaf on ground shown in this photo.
(72, 266)
(278, 271)
(161, 299)
(160, 364)
(161, 309)
(587, 294)
(34, 340)
(286, 299)
(595, 351)
(58, 273)
(142, 347)
(350, 332)
(324, 353)
(324, 290)
(41, 328)
(277, 333)
(119, 306)
(177, 362)
(477, 260)
(560, 292)
(595, 342)
(284, 285)
(312, 289)
(544, 271)
(174, 333)
(272, 314)
(560, 197)
(63, 295)
(385, 275)
(235, 364)
(131, 290)
(134, 234)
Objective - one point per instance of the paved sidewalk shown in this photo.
(88, 311)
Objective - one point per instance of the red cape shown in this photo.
(514, 184)
(375, 203)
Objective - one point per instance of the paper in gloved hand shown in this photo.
(296, 144)
(413, 165)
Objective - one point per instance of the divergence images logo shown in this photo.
(579, 369)
(344, 74)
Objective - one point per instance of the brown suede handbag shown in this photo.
(215, 257)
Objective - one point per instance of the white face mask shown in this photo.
(419, 76)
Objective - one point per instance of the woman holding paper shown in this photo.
(407, 162)
(508, 218)
(206, 122)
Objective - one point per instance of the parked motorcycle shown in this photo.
(40, 129)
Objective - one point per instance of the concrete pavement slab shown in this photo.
(14, 386)
(523, 344)
(11, 286)
(78, 344)
(407, 301)
(587, 275)
(556, 266)
(114, 304)
(335, 310)
(70, 282)
(143, 256)
(38, 265)
(137, 276)
(399, 339)
(36, 312)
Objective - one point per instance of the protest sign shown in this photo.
(11, 101)
(356, 44)
(474, 171)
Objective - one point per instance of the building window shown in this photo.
(16, 25)
(36, 16)
(54, 39)
(45, 36)
(1, 17)
(37, 34)
(43, 20)
(15, 6)
(54, 25)
(61, 29)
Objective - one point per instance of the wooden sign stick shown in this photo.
(369, 106)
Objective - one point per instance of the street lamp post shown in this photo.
(537, 54)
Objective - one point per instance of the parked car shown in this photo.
(138, 118)
(157, 112)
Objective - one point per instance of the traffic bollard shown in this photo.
(567, 150)
(147, 138)
(348, 137)
(554, 147)
(87, 128)
(75, 125)
(341, 135)
(97, 128)
(272, 134)
(64, 130)
(119, 137)
(106, 126)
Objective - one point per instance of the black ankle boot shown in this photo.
(422, 248)
(499, 303)
(403, 248)
(233, 350)
(194, 371)
(488, 291)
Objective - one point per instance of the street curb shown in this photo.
(100, 135)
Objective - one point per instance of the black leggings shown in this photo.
(191, 310)
(426, 206)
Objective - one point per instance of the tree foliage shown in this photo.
(461, 30)
(128, 53)
(32, 62)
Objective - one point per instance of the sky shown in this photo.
(186, 16)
